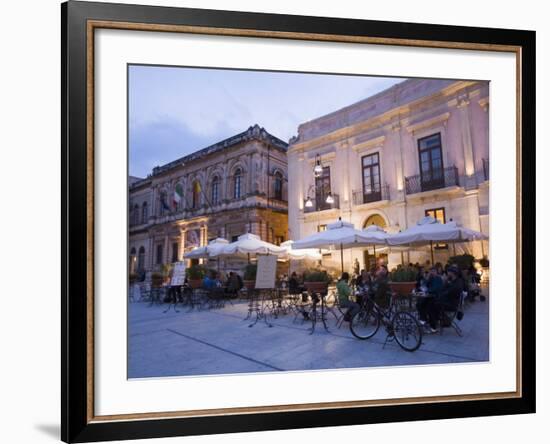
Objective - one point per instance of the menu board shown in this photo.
(178, 274)
(267, 269)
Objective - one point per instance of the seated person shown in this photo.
(363, 281)
(380, 290)
(434, 285)
(233, 285)
(344, 293)
(294, 286)
(447, 299)
(210, 281)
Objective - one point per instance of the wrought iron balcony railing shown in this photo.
(436, 179)
(361, 197)
(322, 204)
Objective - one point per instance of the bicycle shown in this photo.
(400, 326)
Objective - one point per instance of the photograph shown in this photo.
(284, 221)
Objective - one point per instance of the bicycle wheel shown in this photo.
(407, 331)
(365, 323)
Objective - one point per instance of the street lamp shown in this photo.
(318, 168)
(329, 199)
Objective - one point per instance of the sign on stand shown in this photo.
(178, 274)
(267, 269)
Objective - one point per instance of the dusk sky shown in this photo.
(176, 111)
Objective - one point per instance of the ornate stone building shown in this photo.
(235, 186)
(418, 148)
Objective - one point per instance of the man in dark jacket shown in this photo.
(447, 299)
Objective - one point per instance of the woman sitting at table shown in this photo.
(344, 293)
(294, 286)
(364, 280)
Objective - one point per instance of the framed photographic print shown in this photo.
(276, 221)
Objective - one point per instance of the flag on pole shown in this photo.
(163, 201)
(178, 194)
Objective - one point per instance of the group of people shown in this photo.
(231, 282)
(442, 288)
(443, 292)
(373, 283)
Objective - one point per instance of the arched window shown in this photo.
(375, 219)
(133, 258)
(196, 194)
(237, 191)
(141, 259)
(278, 186)
(144, 213)
(215, 190)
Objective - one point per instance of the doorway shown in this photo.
(369, 255)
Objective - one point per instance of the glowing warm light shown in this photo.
(309, 203)
(330, 199)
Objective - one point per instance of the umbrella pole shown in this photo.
(374, 248)
(248, 257)
(454, 248)
(342, 257)
(432, 250)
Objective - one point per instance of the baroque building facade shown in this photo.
(418, 148)
(235, 186)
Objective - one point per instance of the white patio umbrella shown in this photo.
(337, 235)
(429, 230)
(213, 249)
(375, 235)
(304, 253)
(248, 244)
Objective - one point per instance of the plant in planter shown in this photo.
(195, 274)
(249, 278)
(463, 261)
(157, 279)
(403, 280)
(316, 281)
(484, 262)
(133, 278)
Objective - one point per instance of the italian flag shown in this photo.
(178, 194)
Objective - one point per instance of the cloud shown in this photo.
(159, 142)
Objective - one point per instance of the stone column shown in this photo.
(467, 146)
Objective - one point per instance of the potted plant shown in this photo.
(195, 275)
(484, 262)
(249, 278)
(133, 278)
(403, 280)
(157, 279)
(463, 261)
(316, 281)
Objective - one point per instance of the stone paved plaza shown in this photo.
(220, 341)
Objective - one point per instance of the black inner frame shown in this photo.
(74, 424)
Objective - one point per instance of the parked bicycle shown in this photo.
(400, 326)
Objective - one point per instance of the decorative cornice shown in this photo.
(442, 118)
(325, 157)
(371, 143)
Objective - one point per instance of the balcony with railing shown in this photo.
(312, 205)
(435, 179)
(361, 197)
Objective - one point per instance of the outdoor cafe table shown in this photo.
(258, 300)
